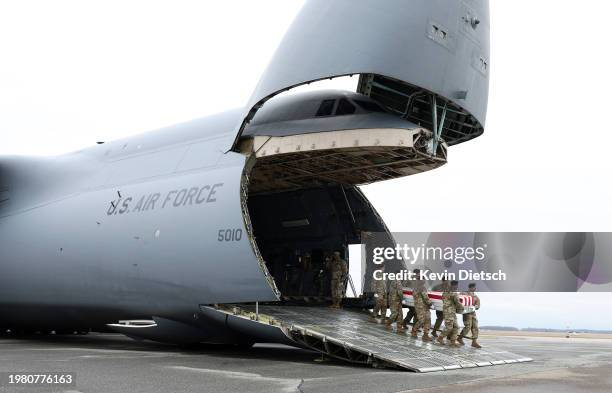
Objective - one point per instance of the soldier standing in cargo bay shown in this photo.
(451, 306)
(470, 322)
(339, 272)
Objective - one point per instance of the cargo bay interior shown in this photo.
(296, 230)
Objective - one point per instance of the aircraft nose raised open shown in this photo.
(333, 137)
(422, 60)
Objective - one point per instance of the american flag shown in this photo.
(436, 298)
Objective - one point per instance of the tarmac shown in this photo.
(115, 363)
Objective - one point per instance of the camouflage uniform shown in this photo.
(411, 314)
(470, 322)
(379, 287)
(439, 314)
(396, 295)
(421, 305)
(451, 306)
(339, 270)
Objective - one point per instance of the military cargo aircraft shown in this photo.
(175, 235)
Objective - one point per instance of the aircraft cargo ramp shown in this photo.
(352, 336)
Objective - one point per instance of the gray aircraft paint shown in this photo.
(60, 248)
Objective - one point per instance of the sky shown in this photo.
(73, 73)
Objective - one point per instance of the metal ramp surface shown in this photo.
(353, 336)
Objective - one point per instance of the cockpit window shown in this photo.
(369, 106)
(345, 108)
(326, 108)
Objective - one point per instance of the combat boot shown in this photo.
(475, 344)
(460, 341)
(413, 333)
(453, 344)
(434, 333)
(440, 340)
(426, 338)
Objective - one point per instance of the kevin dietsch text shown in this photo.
(427, 275)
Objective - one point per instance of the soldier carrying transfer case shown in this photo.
(439, 314)
(422, 304)
(470, 322)
(411, 314)
(396, 295)
(339, 272)
(379, 287)
(451, 306)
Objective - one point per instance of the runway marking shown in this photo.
(288, 385)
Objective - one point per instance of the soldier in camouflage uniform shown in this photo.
(396, 295)
(422, 304)
(439, 314)
(470, 322)
(451, 306)
(339, 271)
(379, 287)
(411, 314)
